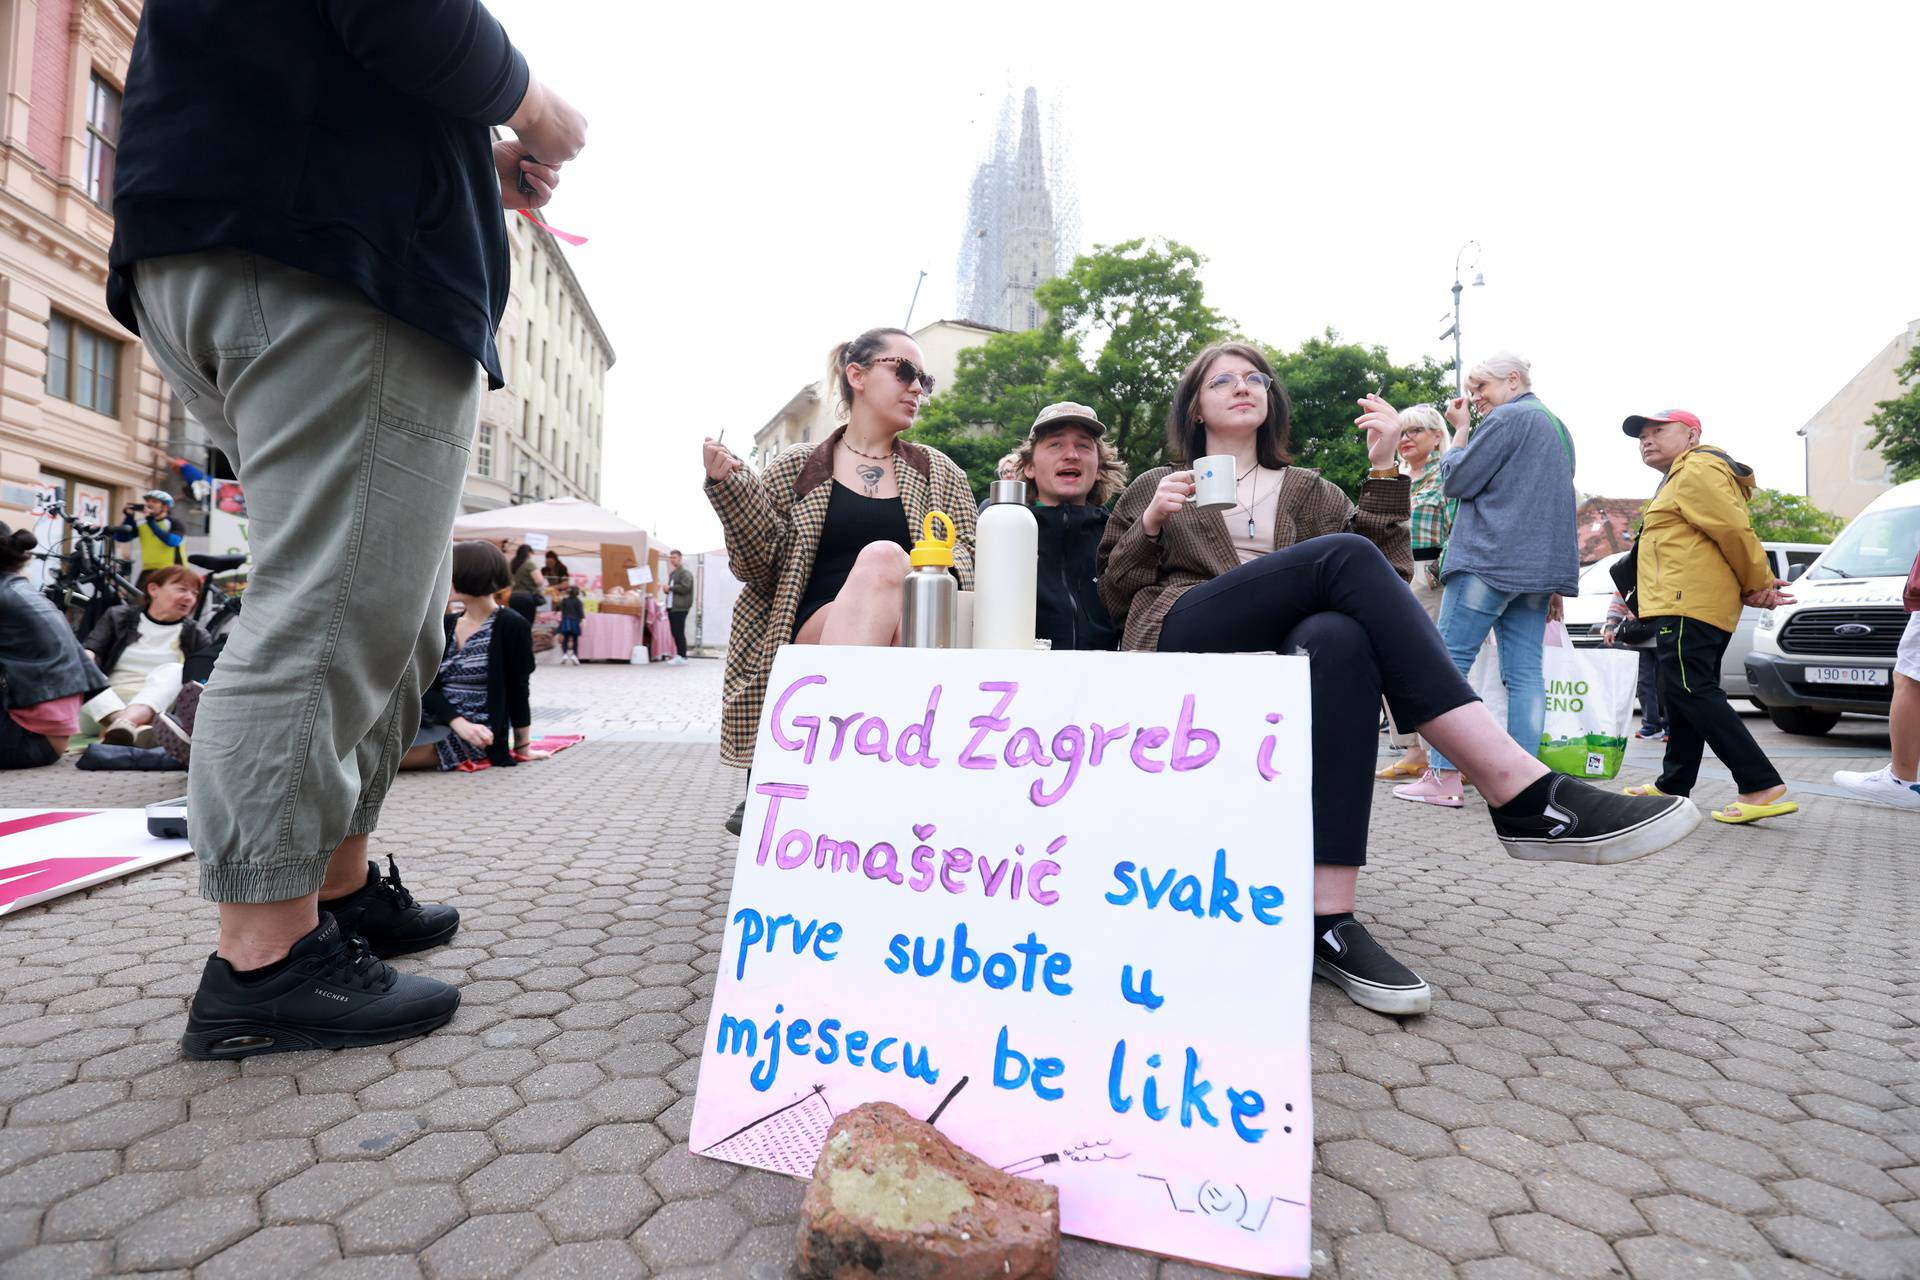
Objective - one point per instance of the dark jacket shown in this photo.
(509, 677)
(40, 657)
(347, 138)
(1068, 611)
(118, 627)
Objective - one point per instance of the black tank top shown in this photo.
(853, 521)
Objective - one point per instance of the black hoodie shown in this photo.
(1068, 611)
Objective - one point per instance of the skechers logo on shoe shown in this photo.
(332, 995)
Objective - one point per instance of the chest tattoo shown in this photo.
(870, 476)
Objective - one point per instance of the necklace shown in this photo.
(877, 457)
(1251, 532)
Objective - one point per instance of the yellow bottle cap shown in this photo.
(931, 550)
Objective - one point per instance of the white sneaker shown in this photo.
(678, 661)
(1881, 787)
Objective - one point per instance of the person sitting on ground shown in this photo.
(1698, 560)
(819, 541)
(524, 585)
(152, 523)
(143, 651)
(483, 684)
(44, 673)
(1511, 550)
(1072, 473)
(1423, 439)
(1296, 565)
(1898, 783)
(573, 612)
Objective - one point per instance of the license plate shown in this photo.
(1847, 675)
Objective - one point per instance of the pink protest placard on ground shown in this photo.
(1058, 902)
(45, 853)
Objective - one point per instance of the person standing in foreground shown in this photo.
(679, 600)
(1898, 784)
(1699, 560)
(1072, 474)
(1511, 551)
(327, 311)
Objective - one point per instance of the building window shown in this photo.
(103, 139)
(82, 365)
(483, 451)
(1033, 316)
(526, 417)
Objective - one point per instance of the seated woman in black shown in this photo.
(482, 687)
(819, 540)
(1298, 566)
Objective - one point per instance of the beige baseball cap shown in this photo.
(1066, 414)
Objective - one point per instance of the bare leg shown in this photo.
(1484, 750)
(137, 714)
(1333, 888)
(867, 610)
(256, 934)
(346, 870)
(1906, 728)
(424, 756)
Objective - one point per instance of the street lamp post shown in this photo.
(1478, 280)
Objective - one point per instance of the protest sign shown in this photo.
(45, 853)
(1060, 903)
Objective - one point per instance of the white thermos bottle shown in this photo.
(1006, 562)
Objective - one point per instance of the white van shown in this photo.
(1833, 650)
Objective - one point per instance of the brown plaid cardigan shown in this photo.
(772, 524)
(1141, 578)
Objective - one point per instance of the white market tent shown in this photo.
(571, 526)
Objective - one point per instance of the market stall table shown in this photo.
(610, 636)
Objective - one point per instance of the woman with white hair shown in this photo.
(1423, 438)
(1511, 550)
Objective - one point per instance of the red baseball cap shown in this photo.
(1632, 425)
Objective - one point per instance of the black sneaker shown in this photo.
(1348, 957)
(385, 914)
(1582, 823)
(331, 993)
(735, 819)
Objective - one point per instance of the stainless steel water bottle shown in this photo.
(931, 594)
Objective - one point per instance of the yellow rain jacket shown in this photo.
(1698, 551)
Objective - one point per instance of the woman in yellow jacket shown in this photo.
(1699, 561)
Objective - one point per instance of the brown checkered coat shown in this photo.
(773, 523)
(1141, 578)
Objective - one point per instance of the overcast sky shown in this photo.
(1709, 207)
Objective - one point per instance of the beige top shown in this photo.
(1250, 521)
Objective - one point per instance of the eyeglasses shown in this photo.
(909, 372)
(1224, 381)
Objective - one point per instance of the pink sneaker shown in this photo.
(1431, 790)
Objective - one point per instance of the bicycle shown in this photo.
(86, 580)
(219, 569)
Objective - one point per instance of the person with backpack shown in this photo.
(1511, 550)
(1696, 561)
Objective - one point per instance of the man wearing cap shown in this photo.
(1071, 474)
(159, 544)
(1697, 560)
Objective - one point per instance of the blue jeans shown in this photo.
(1518, 619)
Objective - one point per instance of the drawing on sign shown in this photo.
(1079, 1153)
(1226, 1201)
(788, 1139)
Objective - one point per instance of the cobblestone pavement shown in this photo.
(1702, 1065)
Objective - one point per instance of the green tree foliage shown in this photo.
(1121, 327)
(1896, 423)
(1326, 377)
(1788, 517)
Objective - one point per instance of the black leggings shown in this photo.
(1337, 598)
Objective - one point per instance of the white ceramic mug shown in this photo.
(1214, 487)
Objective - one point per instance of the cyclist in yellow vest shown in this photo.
(159, 544)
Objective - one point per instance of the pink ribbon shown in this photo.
(552, 230)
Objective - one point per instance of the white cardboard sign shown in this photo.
(1061, 901)
(46, 853)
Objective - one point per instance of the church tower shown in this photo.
(1013, 237)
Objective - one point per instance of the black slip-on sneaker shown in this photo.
(332, 993)
(1347, 956)
(1582, 823)
(736, 818)
(384, 913)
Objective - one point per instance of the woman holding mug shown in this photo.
(820, 539)
(1296, 565)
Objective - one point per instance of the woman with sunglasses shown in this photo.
(820, 539)
(1297, 566)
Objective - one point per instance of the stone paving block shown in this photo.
(564, 1080)
(1591, 1206)
(301, 1117)
(599, 1206)
(1839, 1207)
(55, 1177)
(1449, 1227)
(1505, 1150)
(274, 1253)
(102, 1211)
(1386, 1257)
(1079, 1260)
(1338, 1209)
(679, 1174)
(400, 1219)
(1502, 1269)
(1737, 1154)
(185, 1233)
(1702, 1224)
(515, 1183)
(598, 1260)
(1734, 1192)
(1550, 1243)
(122, 1124)
(1369, 1167)
(542, 1126)
(323, 1193)
(1832, 1249)
(493, 1247)
(59, 1261)
(1658, 1258)
(687, 1231)
(767, 1198)
(253, 1167)
(617, 1148)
